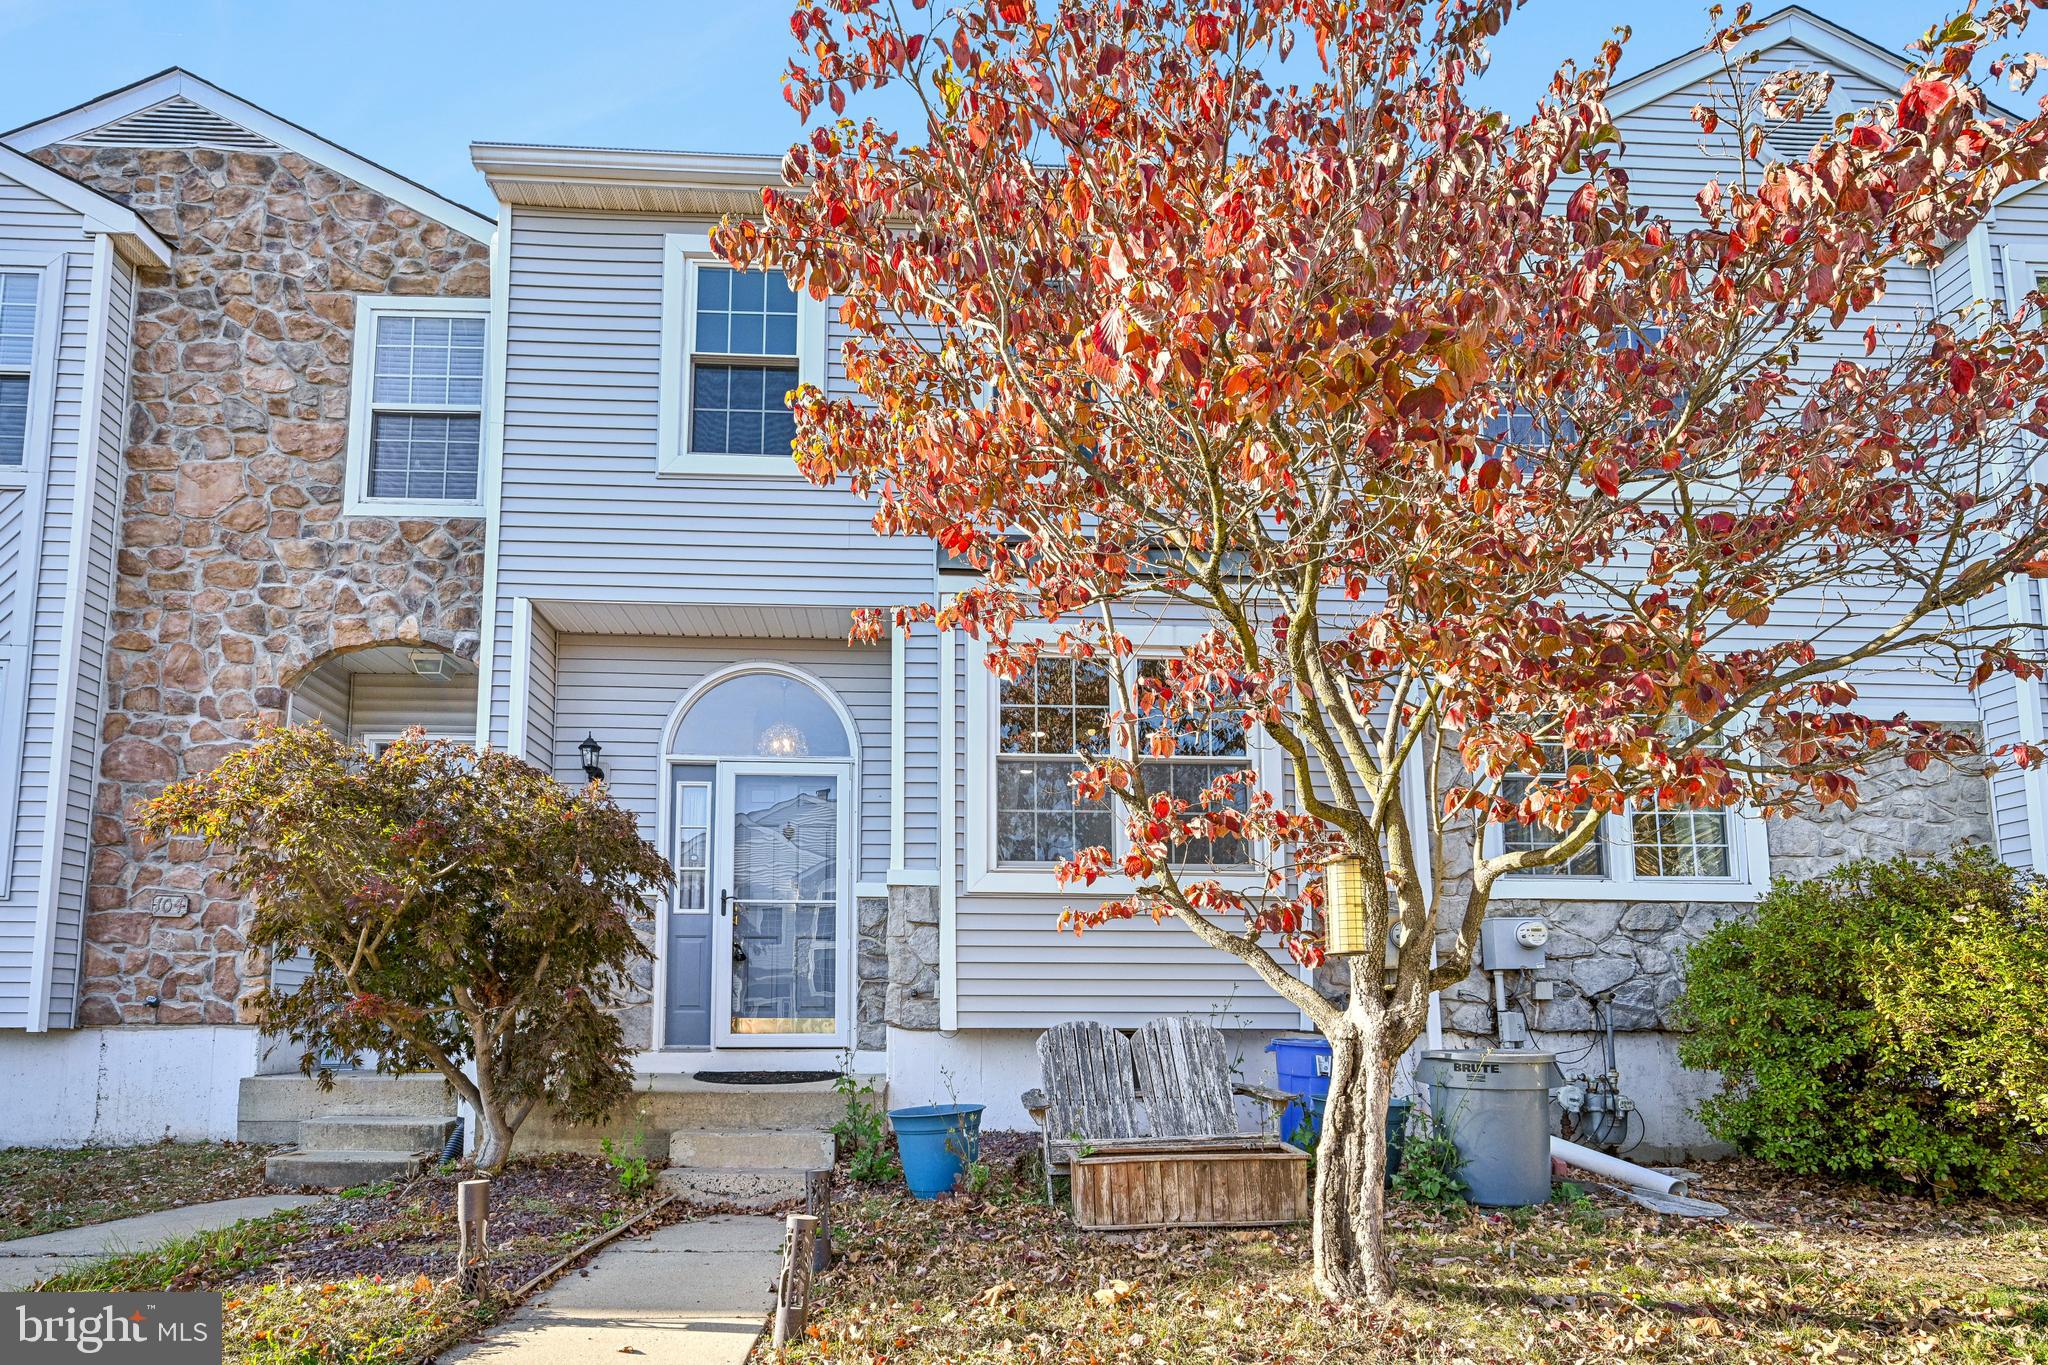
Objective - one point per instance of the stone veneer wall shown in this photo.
(1636, 949)
(237, 569)
(912, 967)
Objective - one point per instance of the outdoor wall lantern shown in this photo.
(590, 749)
(1344, 914)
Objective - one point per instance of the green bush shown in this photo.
(1887, 1021)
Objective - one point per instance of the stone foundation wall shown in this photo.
(237, 569)
(1636, 949)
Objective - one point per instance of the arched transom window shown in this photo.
(762, 715)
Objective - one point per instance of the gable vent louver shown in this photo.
(1792, 139)
(177, 122)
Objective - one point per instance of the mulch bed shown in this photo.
(538, 1210)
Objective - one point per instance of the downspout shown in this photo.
(1415, 796)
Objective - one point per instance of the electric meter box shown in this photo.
(1512, 943)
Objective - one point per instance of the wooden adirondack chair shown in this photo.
(1165, 1088)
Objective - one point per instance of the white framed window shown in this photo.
(1027, 736)
(415, 439)
(734, 345)
(18, 289)
(1640, 854)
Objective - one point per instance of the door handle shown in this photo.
(724, 900)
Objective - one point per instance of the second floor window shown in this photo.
(17, 350)
(416, 438)
(743, 363)
(734, 345)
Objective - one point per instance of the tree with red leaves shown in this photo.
(455, 910)
(1506, 502)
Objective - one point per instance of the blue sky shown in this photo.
(411, 85)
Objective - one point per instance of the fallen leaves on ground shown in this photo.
(1805, 1270)
(47, 1189)
(366, 1278)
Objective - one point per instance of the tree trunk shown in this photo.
(494, 1127)
(1352, 1261)
(493, 1139)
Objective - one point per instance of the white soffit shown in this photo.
(158, 106)
(626, 180)
(705, 620)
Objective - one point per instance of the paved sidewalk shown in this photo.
(28, 1259)
(695, 1293)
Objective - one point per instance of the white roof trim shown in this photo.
(1847, 50)
(626, 179)
(136, 240)
(147, 93)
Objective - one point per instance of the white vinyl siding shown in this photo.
(584, 513)
(416, 412)
(623, 689)
(60, 484)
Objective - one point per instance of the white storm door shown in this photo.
(780, 957)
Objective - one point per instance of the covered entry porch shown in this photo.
(757, 748)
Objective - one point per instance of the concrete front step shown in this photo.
(791, 1149)
(737, 1186)
(271, 1108)
(666, 1104)
(339, 1170)
(375, 1133)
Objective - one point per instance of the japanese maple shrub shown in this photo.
(1503, 498)
(458, 910)
(1883, 1021)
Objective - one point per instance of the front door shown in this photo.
(779, 952)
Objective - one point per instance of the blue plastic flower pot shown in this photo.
(935, 1142)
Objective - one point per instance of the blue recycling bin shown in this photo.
(1302, 1064)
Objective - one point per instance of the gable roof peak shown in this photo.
(178, 108)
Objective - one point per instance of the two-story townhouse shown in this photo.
(864, 836)
(664, 587)
(241, 418)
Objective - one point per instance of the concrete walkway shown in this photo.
(28, 1259)
(695, 1293)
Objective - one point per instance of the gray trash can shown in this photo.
(1495, 1104)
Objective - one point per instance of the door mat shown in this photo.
(764, 1077)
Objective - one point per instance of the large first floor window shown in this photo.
(1652, 849)
(1054, 719)
(1049, 722)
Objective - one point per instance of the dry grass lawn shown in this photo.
(47, 1189)
(1806, 1270)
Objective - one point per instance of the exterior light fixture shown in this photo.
(590, 749)
(428, 663)
(1344, 914)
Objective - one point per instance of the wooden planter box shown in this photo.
(1246, 1187)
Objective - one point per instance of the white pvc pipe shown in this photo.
(1614, 1168)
